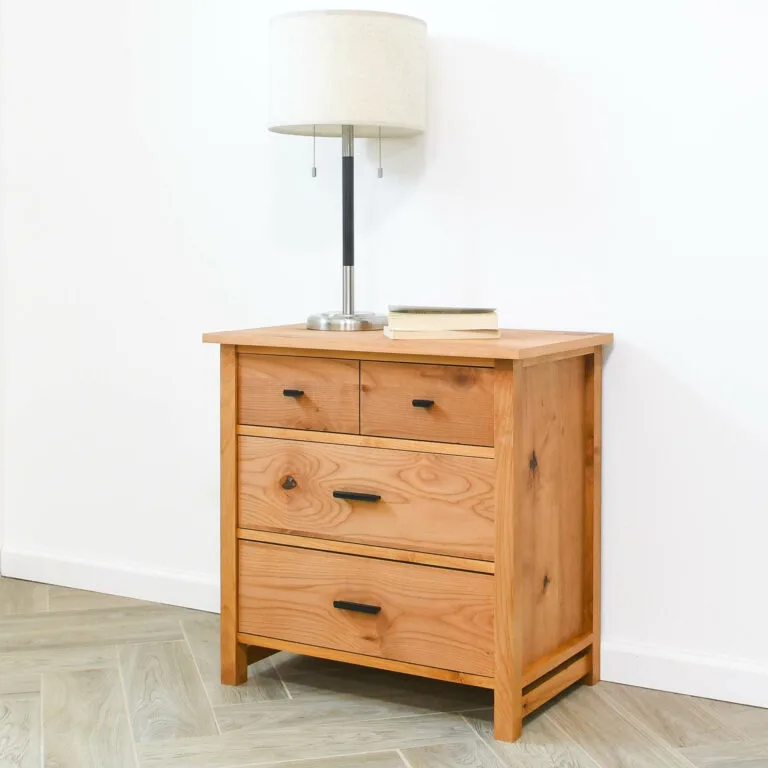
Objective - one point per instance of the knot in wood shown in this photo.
(288, 483)
(533, 464)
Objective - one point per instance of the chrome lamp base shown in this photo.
(338, 321)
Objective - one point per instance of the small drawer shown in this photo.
(401, 499)
(445, 403)
(299, 393)
(413, 613)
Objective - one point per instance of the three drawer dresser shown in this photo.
(428, 507)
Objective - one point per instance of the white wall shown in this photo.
(592, 165)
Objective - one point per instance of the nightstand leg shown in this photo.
(234, 662)
(592, 499)
(509, 383)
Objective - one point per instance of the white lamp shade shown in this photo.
(360, 68)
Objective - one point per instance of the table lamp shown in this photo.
(347, 74)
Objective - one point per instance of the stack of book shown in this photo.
(442, 323)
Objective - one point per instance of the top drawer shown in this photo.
(445, 403)
(299, 393)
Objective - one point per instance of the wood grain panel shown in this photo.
(552, 511)
(368, 441)
(368, 550)
(513, 344)
(331, 399)
(430, 616)
(84, 720)
(462, 410)
(164, 692)
(429, 502)
(373, 662)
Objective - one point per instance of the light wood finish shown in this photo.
(263, 684)
(472, 753)
(678, 720)
(349, 657)
(551, 512)
(367, 441)
(20, 731)
(543, 744)
(330, 402)
(593, 407)
(509, 397)
(429, 503)
(609, 737)
(499, 480)
(462, 410)
(277, 746)
(547, 688)
(234, 664)
(28, 597)
(19, 682)
(474, 362)
(513, 344)
(165, 698)
(428, 616)
(366, 550)
(84, 720)
(547, 663)
(66, 599)
(51, 633)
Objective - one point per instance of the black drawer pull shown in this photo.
(422, 403)
(359, 607)
(293, 392)
(353, 496)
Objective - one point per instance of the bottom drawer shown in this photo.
(413, 613)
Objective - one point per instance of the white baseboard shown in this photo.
(666, 669)
(189, 590)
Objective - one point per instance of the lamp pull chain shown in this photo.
(381, 170)
(314, 145)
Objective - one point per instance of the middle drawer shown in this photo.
(402, 499)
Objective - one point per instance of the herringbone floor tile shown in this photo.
(96, 681)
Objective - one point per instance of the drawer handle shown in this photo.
(359, 607)
(353, 496)
(422, 403)
(293, 392)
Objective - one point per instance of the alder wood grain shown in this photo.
(462, 410)
(234, 665)
(593, 400)
(432, 503)
(513, 344)
(359, 355)
(367, 441)
(374, 662)
(509, 396)
(547, 663)
(367, 550)
(551, 512)
(541, 692)
(330, 401)
(429, 616)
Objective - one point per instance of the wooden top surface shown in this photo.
(513, 345)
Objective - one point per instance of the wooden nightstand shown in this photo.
(429, 507)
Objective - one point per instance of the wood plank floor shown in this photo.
(94, 680)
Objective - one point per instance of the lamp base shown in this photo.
(337, 321)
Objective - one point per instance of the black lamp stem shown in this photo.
(348, 217)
